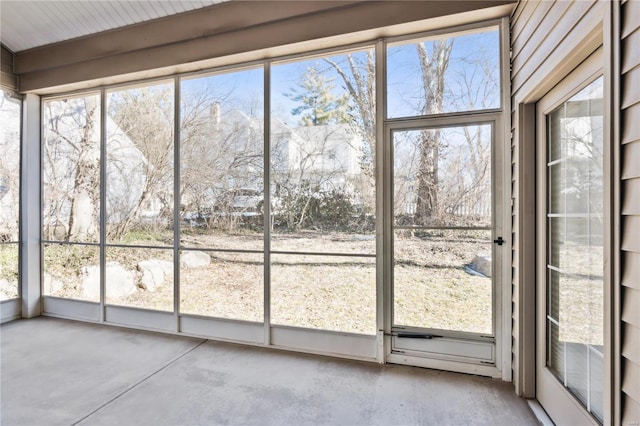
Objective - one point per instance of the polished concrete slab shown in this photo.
(64, 372)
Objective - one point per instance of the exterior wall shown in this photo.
(549, 38)
(630, 190)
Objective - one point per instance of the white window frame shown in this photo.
(349, 345)
(562, 406)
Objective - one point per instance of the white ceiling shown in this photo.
(25, 24)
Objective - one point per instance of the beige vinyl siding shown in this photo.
(630, 209)
(630, 124)
(8, 80)
(548, 40)
(542, 32)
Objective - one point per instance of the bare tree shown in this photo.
(310, 167)
(360, 83)
(222, 155)
(469, 85)
(83, 218)
(9, 167)
(145, 116)
(72, 168)
(433, 67)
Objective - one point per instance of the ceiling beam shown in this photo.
(198, 39)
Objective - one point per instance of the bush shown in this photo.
(324, 210)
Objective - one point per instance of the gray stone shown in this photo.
(154, 273)
(8, 289)
(51, 285)
(194, 259)
(482, 263)
(120, 281)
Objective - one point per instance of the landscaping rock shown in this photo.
(8, 289)
(482, 264)
(194, 259)
(51, 285)
(154, 273)
(120, 282)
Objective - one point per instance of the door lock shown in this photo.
(499, 241)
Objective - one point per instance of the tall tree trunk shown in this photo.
(83, 220)
(427, 201)
(433, 68)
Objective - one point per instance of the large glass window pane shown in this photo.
(9, 270)
(451, 73)
(442, 177)
(139, 277)
(71, 271)
(10, 109)
(322, 153)
(575, 244)
(222, 285)
(324, 292)
(442, 280)
(71, 169)
(140, 162)
(222, 162)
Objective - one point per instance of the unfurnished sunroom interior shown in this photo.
(332, 212)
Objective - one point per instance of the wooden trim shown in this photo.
(504, 304)
(526, 237)
(611, 314)
(30, 208)
(562, 406)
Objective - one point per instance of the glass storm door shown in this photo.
(570, 341)
(443, 274)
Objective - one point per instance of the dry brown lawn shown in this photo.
(326, 292)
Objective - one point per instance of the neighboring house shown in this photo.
(65, 193)
(226, 155)
(325, 158)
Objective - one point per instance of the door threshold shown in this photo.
(454, 366)
(539, 412)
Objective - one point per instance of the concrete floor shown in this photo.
(64, 372)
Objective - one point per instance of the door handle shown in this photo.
(499, 241)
